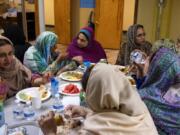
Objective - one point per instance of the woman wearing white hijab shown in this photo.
(117, 109)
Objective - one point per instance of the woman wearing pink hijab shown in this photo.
(86, 46)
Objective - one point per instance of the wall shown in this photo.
(49, 12)
(170, 21)
(175, 20)
(128, 15)
(146, 16)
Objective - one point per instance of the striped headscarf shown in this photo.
(38, 57)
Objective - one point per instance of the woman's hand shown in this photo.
(61, 57)
(75, 111)
(37, 80)
(47, 124)
(79, 59)
(142, 69)
(46, 76)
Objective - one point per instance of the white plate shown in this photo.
(61, 88)
(31, 92)
(70, 76)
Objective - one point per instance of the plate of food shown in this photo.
(27, 94)
(70, 89)
(73, 76)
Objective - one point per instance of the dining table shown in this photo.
(32, 127)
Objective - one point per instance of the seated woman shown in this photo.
(135, 40)
(116, 106)
(86, 46)
(160, 89)
(42, 57)
(13, 74)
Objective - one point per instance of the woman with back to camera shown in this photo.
(115, 108)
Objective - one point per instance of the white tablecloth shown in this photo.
(46, 106)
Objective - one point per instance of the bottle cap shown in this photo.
(28, 102)
(57, 95)
(17, 101)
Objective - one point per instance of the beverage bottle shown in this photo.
(138, 57)
(82, 99)
(2, 119)
(18, 110)
(57, 104)
(29, 113)
(54, 86)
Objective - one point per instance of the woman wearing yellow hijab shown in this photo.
(117, 109)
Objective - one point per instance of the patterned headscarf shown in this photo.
(130, 45)
(163, 75)
(38, 57)
(44, 42)
(131, 34)
(167, 43)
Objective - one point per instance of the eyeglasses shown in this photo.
(141, 34)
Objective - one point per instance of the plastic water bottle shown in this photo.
(2, 120)
(57, 104)
(54, 86)
(18, 110)
(82, 97)
(29, 112)
(137, 56)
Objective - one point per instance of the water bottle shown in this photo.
(82, 97)
(29, 113)
(137, 56)
(57, 104)
(54, 86)
(2, 120)
(18, 110)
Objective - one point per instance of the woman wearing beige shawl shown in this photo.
(16, 75)
(117, 107)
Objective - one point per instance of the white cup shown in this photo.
(36, 102)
